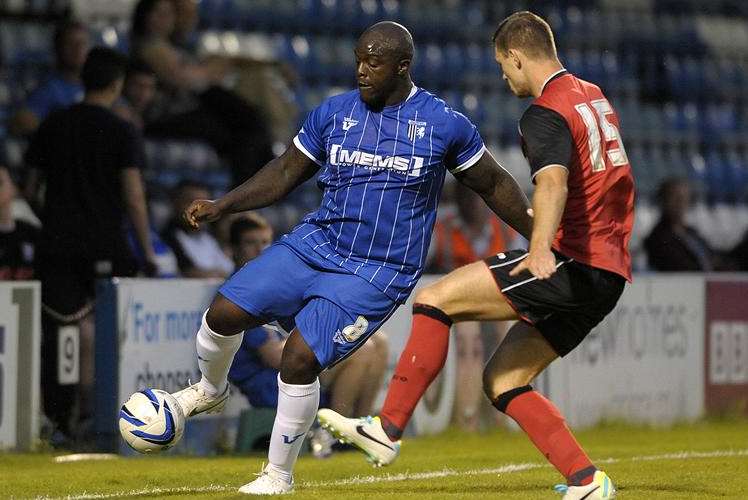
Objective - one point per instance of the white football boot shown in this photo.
(195, 401)
(601, 488)
(267, 484)
(364, 433)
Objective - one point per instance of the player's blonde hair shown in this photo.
(527, 32)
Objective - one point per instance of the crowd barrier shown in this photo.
(674, 349)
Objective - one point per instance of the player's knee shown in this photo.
(428, 296)
(299, 366)
(496, 383)
(226, 318)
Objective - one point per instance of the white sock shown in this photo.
(214, 356)
(297, 407)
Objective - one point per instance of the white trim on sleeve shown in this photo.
(300, 147)
(552, 165)
(470, 162)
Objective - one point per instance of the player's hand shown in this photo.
(540, 263)
(201, 211)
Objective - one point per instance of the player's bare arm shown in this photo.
(500, 191)
(548, 204)
(133, 192)
(274, 181)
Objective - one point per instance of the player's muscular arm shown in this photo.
(548, 204)
(274, 181)
(500, 191)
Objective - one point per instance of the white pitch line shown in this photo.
(403, 476)
(409, 476)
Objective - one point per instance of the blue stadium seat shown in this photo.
(717, 177)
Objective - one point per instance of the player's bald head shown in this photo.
(387, 39)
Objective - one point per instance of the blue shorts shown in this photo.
(335, 311)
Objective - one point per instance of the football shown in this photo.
(151, 421)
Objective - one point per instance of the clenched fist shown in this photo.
(201, 211)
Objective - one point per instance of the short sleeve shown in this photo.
(309, 139)
(465, 145)
(546, 139)
(255, 337)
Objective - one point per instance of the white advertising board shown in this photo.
(152, 324)
(643, 363)
(20, 348)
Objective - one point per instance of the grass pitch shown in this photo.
(699, 461)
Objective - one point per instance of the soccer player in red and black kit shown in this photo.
(569, 280)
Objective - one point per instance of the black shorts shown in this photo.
(564, 307)
(69, 283)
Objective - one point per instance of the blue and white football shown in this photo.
(151, 421)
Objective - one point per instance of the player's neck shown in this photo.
(401, 93)
(542, 72)
(103, 99)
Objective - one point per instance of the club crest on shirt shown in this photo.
(348, 123)
(416, 130)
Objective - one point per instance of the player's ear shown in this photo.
(403, 67)
(514, 57)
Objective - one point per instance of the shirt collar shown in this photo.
(413, 91)
(553, 76)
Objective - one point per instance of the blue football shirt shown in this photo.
(382, 175)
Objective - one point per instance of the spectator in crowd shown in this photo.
(64, 87)
(186, 18)
(673, 245)
(461, 236)
(137, 94)
(249, 235)
(199, 254)
(18, 239)
(467, 234)
(350, 387)
(193, 103)
(89, 160)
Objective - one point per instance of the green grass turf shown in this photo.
(33, 475)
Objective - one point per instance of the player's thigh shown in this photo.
(269, 287)
(341, 315)
(520, 357)
(468, 293)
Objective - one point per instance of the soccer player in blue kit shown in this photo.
(383, 151)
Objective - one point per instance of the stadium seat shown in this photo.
(255, 427)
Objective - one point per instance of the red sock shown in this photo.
(547, 429)
(419, 364)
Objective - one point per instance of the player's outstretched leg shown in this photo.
(298, 399)
(218, 339)
(522, 355)
(466, 294)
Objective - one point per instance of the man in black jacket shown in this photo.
(673, 245)
(90, 161)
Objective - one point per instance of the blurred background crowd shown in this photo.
(194, 96)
